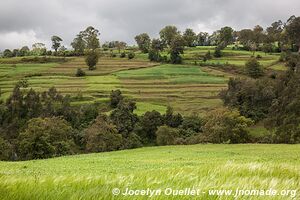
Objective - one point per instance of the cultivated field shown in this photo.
(188, 88)
(205, 167)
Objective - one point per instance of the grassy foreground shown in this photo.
(204, 167)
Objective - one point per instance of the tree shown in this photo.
(78, 45)
(225, 126)
(258, 35)
(251, 97)
(91, 59)
(124, 118)
(56, 42)
(5, 150)
(131, 55)
(253, 68)
(168, 34)
(190, 37)
(143, 41)
(218, 52)
(148, 125)
(202, 39)
(15, 52)
(226, 36)
(24, 51)
(39, 49)
(166, 135)
(246, 38)
(90, 37)
(155, 49)
(293, 31)
(115, 98)
(102, 135)
(7, 53)
(274, 32)
(176, 48)
(171, 119)
(284, 112)
(45, 138)
(120, 45)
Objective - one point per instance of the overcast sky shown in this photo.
(24, 22)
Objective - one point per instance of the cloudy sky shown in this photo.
(24, 22)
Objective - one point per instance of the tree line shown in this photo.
(278, 37)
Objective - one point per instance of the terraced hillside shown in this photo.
(188, 88)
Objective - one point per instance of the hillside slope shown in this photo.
(204, 167)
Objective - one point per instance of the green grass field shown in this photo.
(205, 167)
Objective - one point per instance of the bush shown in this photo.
(131, 55)
(91, 59)
(80, 72)
(166, 135)
(218, 52)
(253, 68)
(102, 135)
(225, 126)
(258, 57)
(45, 138)
(207, 56)
(123, 55)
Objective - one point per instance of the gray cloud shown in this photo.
(25, 22)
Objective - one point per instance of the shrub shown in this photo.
(258, 57)
(123, 55)
(45, 138)
(218, 52)
(102, 135)
(166, 135)
(80, 72)
(225, 126)
(91, 59)
(131, 55)
(253, 68)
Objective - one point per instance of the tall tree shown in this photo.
(90, 37)
(56, 42)
(176, 48)
(293, 31)
(226, 36)
(190, 37)
(143, 41)
(78, 45)
(168, 33)
(202, 39)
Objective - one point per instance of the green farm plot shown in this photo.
(186, 88)
(204, 167)
(233, 57)
(11, 70)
